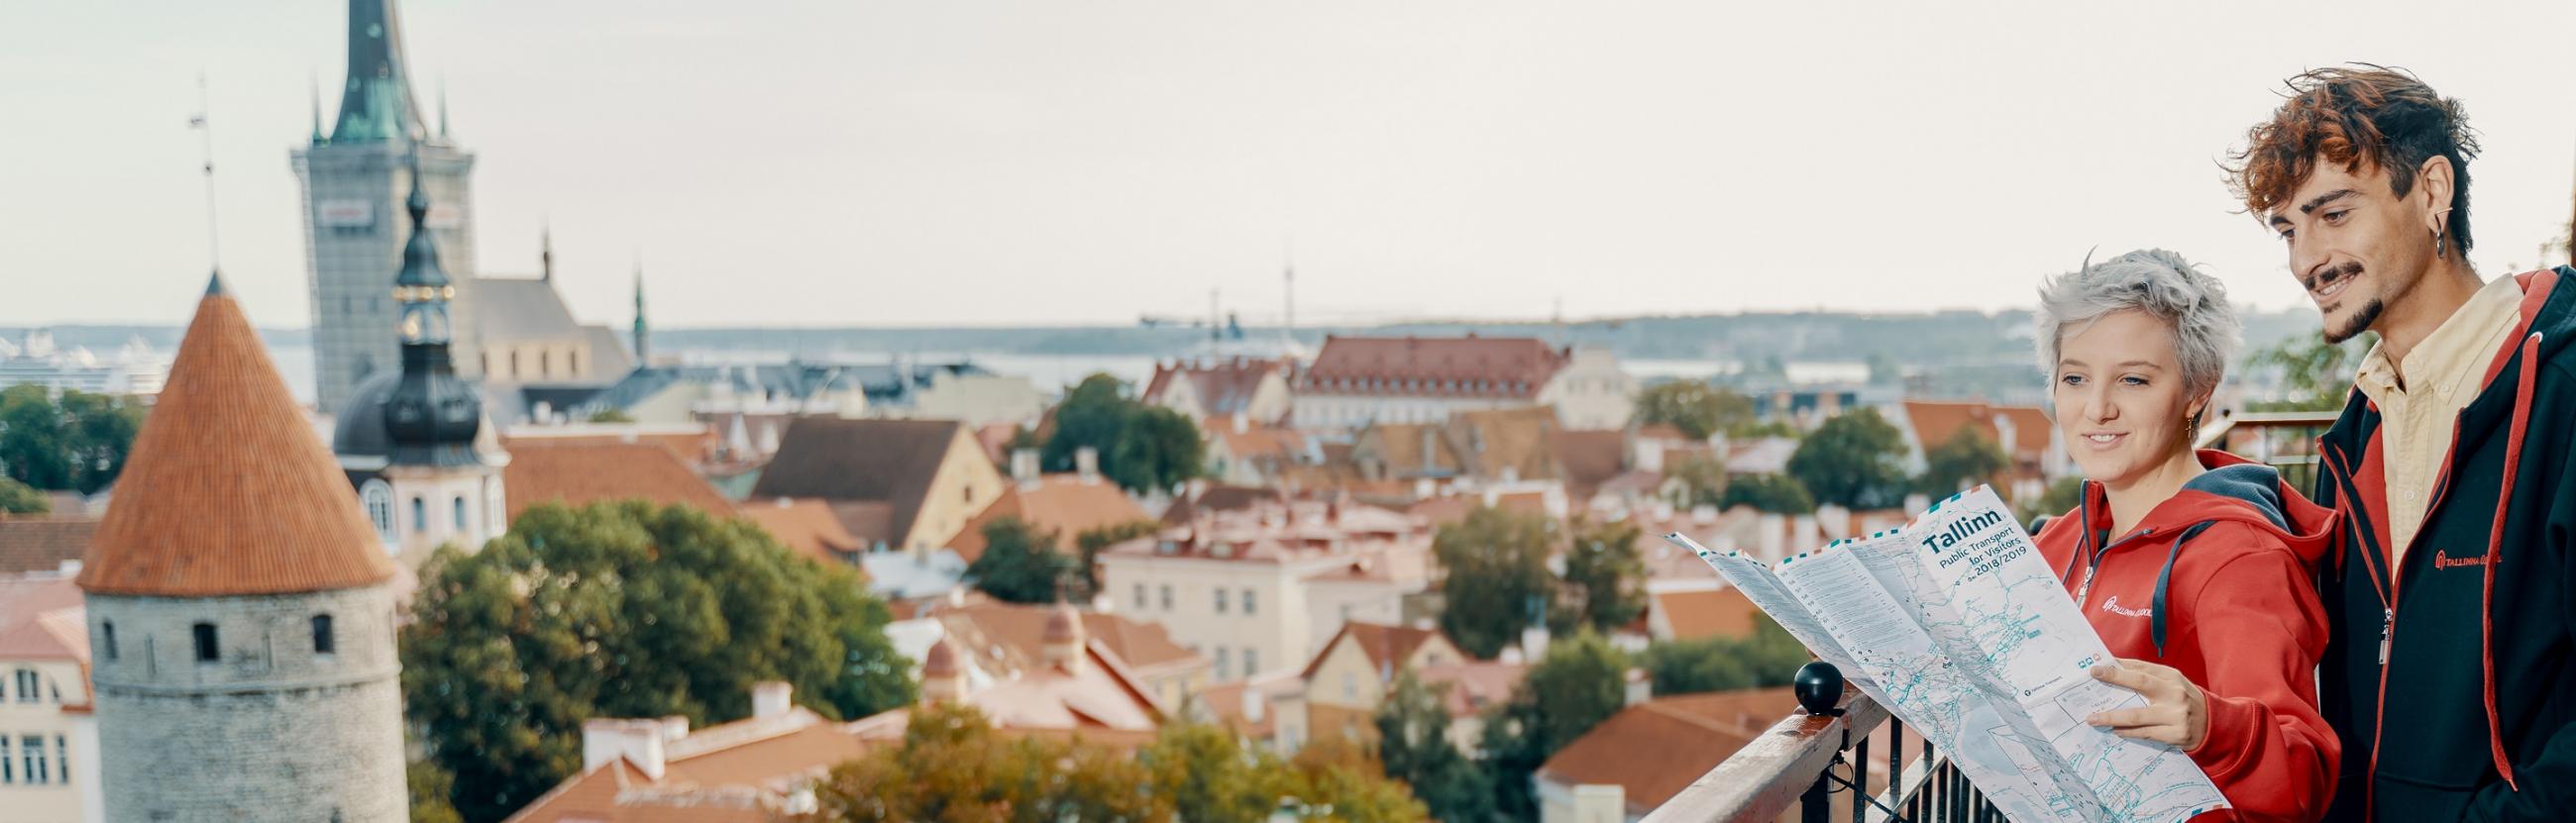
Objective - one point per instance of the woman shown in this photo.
(2194, 566)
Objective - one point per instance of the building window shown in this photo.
(1221, 661)
(1251, 661)
(8, 767)
(1167, 598)
(458, 504)
(1220, 601)
(107, 632)
(322, 640)
(419, 515)
(379, 501)
(545, 364)
(1249, 605)
(31, 750)
(63, 755)
(27, 683)
(514, 363)
(1140, 597)
(1350, 686)
(206, 643)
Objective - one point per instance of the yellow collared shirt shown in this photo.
(2419, 404)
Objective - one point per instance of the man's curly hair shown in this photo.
(2356, 115)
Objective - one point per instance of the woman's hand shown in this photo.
(2176, 712)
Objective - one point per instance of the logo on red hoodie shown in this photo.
(2113, 606)
(2444, 560)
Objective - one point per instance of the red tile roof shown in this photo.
(1061, 503)
(842, 460)
(42, 543)
(1387, 647)
(1590, 457)
(1656, 749)
(61, 634)
(1707, 613)
(1468, 366)
(1223, 387)
(808, 526)
(229, 491)
(1475, 685)
(1022, 631)
(1936, 421)
(696, 445)
(575, 474)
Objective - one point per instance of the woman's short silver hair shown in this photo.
(2158, 282)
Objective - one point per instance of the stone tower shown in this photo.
(241, 626)
(354, 180)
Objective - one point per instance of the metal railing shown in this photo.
(1822, 764)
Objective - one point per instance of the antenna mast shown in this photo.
(214, 253)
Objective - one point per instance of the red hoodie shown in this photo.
(2219, 582)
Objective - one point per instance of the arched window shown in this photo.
(206, 651)
(419, 515)
(458, 506)
(322, 640)
(378, 499)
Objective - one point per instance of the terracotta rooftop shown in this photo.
(1482, 444)
(1065, 504)
(695, 443)
(1223, 387)
(1656, 749)
(574, 474)
(229, 491)
(1022, 630)
(735, 772)
(1213, 499)
(1387, 647)
(1468, 366)
(23, 598)
(1255, 442)
(1474, 686)
(1706, 613)
(42, 543)
(1590, 457)
(808, 526)
(892, 462)
(61, 634)
(1936, 421)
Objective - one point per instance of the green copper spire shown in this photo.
(643, 336)
(376, 105)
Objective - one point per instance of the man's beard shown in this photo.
(2360, 322)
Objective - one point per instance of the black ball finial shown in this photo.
(1819, 687)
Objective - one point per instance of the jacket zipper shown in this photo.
(2085, 589)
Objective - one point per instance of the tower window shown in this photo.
(107, 632)
(322, 641)
(419, 516)
(458, 504)
(206, 643)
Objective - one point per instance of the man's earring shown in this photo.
(2441, 245)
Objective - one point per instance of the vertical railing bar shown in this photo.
(1860, 780)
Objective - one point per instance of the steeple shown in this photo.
(432, 416)
(643, 335)
(317, 111)
(376, 105)
(546, 253)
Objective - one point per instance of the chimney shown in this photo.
(1086, 462)
(604, 739)
(674, 727)
(1647, 456)
(1641, 687)
(1063, 643)
(1600, 803)
(942, 680)
(1511, 656)
(769, 698)
(1024, 467)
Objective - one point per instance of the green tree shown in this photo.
(611, 415)
(1605, 575)
(1020, 564)
(1141, 448)
(1703, 481)
(1855, 459)
(430, 787)
(1768, 657)
(2315, 375)
(953, 768)
(77, 441)
(18, 498)
(1772, 493)
(1208, 777)
(1090, 542)
(1497, 579)
(1966, 459)
(1579, 683)
(2062, 497)
(624, 610)
(1413, 746)
(1696, 407)
(1335, 778)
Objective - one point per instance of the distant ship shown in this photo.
(134, 370)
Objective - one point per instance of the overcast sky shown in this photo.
(957, 162)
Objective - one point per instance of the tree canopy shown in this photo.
(1965, 460)
(1605, 575)
(1579, 683)
(1771, 493)
(18, 498)
(1768, 657)
(1020, 564)
(2315, 375)
(1497, 581)
(1854, 460)
(1141, 447)
(1413, 744)
(1693, 406)
(624, 610)
(77, 441)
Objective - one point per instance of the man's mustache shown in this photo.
(2331, 276)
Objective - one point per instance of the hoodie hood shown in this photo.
(2232, 489)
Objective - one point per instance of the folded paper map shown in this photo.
(1955, 624)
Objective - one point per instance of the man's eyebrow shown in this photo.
(2311, 206)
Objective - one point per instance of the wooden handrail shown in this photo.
(1765, 777)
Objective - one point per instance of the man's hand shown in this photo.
(2176, 711)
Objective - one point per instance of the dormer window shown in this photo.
(206, 650)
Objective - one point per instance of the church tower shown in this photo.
(240, 619)
(414, 442)
(353, 180)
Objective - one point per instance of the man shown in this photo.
(2452, 596)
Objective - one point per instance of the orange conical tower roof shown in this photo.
(229, 491)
